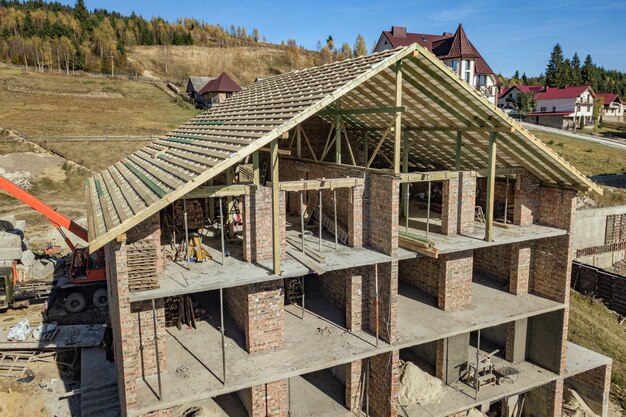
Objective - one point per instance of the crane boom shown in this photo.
(57, 219)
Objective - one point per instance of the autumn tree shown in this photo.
(360, 48)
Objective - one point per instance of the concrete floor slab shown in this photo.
(317, 394)
(318, 342)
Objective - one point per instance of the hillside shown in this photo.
(243, 64)
(50, 104)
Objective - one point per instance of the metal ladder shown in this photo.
(329, 224)
(480, 215)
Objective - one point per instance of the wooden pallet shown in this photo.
(15, 364)
(141, 258)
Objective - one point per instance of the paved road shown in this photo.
(588, 138)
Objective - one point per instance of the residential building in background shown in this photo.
(613, 108)
(218, 90)
(508, 96)
(194, 85)
(562, 107)
(454, 49)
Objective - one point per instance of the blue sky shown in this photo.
(510, 35)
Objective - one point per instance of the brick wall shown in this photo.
(354, 374)
(521, 264)
(526, 199)
(333, 285)
(546, 400)
(257, 228)
(501, 195)
(350, 210)
(449, 278)
(143, 321)
(383, 387)
(384, 211)
(268, 400)
(594, 386)
(258, 311)
(494, 262)
(457, 206)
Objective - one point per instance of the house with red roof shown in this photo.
(219, 89)
(454, 49)
(508, 96)
(563, 108)
(613, 108)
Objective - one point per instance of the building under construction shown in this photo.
(311, 243)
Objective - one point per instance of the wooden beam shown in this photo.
(214, 191)
(411, 177)
(275, 207)
(502, 171)
(459, 139)
(373, 110)
(280, 151)
(405, 169)
(338, 123)
(397, 130)
(255, 168)
(380, 143)
(491, 183)
(299, 141)
(320, 184)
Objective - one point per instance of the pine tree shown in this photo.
(524, 79)
(555, 71)
(80, 11)
(360, 48)
(516, 75)
(588, 73)
(567, 73)
(577, 78)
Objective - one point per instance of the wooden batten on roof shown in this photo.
(437, 109)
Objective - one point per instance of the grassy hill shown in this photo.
(50, 104)
(243, 64)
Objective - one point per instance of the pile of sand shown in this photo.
(417, 386)
(22, 167)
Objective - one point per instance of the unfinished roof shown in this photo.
(437, 103)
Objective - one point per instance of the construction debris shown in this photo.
(417, 386)
(575, 406)
(20, 331)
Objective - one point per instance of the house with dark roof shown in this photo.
(218, 90)
(613, 108)
(508, 96)
(563, 108)
(194, 85)
(454, 49)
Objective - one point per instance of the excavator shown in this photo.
(86, 278)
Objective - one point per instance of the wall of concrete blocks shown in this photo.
(458, 204)
(350, 208)
(257, 225)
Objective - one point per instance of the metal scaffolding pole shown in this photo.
(406, 207)
(367, 388)
(320, 222)
(476, 369)
(186, 234)
(506, 199)
(222, 331)
(302, 288)
(222, 229)
(302, 219)
(335, 212)
(156, 350)
(377, 299)
(428, 210)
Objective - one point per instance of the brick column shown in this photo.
(455, 280)
(387, 300)
(354, 301)
(516, 335)
(458, 202)
(384, 212)
(258, 311)
(257, 225)
(383, 385)
(451, 356)
(520, 267)
(267, 400)
(546, 400)
(355, 216)
(354, 374)
(526, 199)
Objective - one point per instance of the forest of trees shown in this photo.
(65, 38)
(563, 72)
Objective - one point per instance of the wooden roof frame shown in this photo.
(129, 192)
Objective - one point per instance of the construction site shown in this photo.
(367, 237)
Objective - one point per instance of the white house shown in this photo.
(562, 107)
(454, 49)
(613, 109)
(508, 97)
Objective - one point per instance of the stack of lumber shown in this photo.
(417, 244)
(142, 259)
(195, 214)
(182, 310)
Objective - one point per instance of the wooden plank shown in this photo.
(397, 130)
(320, 184)
(491, 183)
(276, 225)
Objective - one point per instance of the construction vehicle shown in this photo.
(86, 276)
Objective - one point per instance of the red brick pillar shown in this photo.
(384, 213)
(268, 400)
(516, 335)
(387, 300)
(383, 385)
(354, 301)
(458, 202)
(526, 199)
(554, 391)
(520, 267)
(258, 311)
(355, 216)
(257, 225)
(455, 280)
(354, 374)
